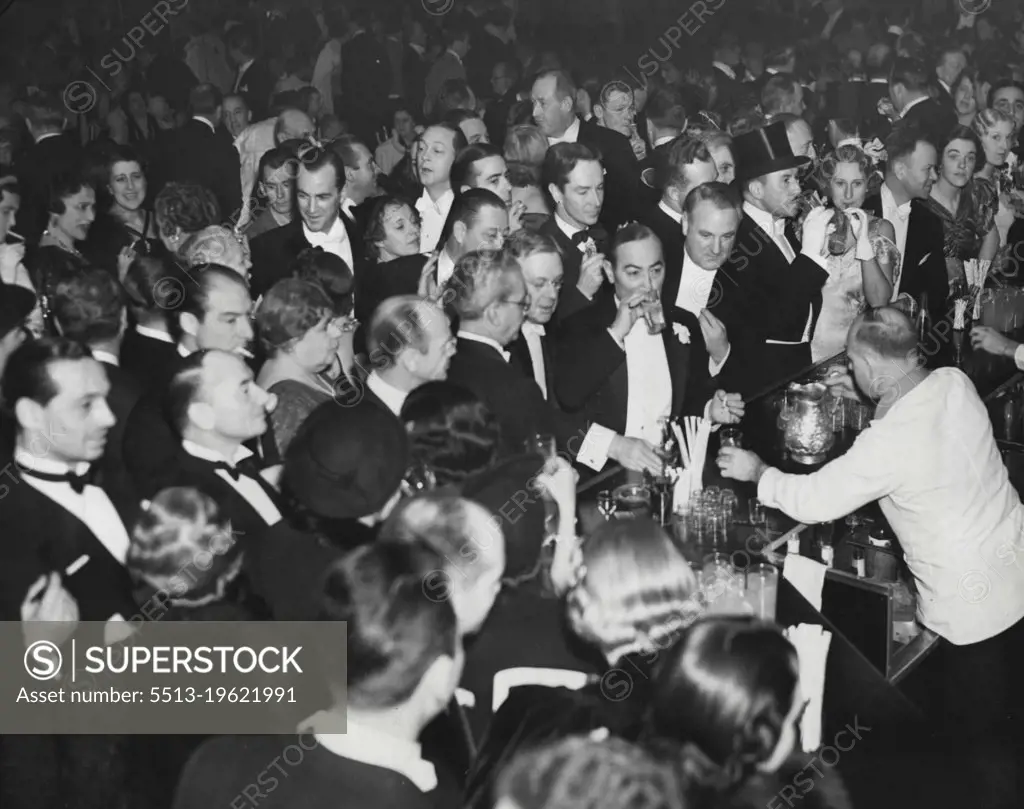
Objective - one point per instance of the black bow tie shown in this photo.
(77, 482)
(245, 467)
(596, 232)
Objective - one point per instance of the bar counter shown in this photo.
(874, 611)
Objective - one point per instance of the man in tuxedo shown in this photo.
(52, 153)
(215, 406)
(908, 89)
(911, 170)
(554, 112)
(360, 188)
(237, 115)
(478, 220)
(87, 308)
(409, 343)
(214, 312)
(488, 293)
(16, 304)
(1008, 97)
(61, 517)
(771, 295)
(253, 80)
(686, 165)
(574, 177)
(318, 189)
(197, 155)
(950, 62)
(613, 368)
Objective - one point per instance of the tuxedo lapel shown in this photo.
(678, 355)
(549, 365)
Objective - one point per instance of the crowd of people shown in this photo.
(320, 280)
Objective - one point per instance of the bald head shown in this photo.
(292, 124)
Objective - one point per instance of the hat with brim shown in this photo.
(346, 462)
(764, 151)
(16, 304)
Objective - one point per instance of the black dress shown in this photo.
(108, 237)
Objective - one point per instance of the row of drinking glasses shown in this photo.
(730, 589)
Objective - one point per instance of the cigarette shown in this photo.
(16, 236)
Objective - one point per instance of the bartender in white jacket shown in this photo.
(929, 457)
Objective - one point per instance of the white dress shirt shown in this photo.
(92, 506)
(335, 241)
(154, 334)
(392, 397)
(649, 394)
(249, 489)
(571, 135)
(899, 218)
(532, 333)
(433, 215)
(913, 104)
(241, 74)
(933, 465)
(368, 746)
(445, 267)
(776, 230)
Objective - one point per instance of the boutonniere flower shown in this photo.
(588, 247)
(681, 332)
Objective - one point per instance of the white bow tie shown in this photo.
(534, 328)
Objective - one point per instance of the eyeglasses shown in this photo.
(524, 304)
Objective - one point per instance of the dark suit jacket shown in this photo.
(932, 117)
(670, 233)
(520, 359)
(400, 276)
(764, 297)
(125, 392)
(593, 377)
(197, 154)
(257, 85)
(924, 265)
(148, 361)
(496, 116)
(622, 189)
(274, 251)
(43, 537)
(514, 399)
(570, 299)
(172, 79)
(37, 167)
(366, 82)
(872, 123)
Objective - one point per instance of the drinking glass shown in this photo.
(606, 503)
(715, 531)
(763, 590)
(654, 314)
(712, 495)
(419, 478)
(721, 587)
(730, 437)
(730, 507)
(756, 511)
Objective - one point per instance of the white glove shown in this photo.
(817, 227)
(865, 252)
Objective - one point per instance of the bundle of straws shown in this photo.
(692, 439)
(976, 271)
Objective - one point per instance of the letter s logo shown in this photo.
(43, 660)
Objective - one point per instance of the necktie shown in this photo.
(779, 227)
(77, 482)
(245, 467)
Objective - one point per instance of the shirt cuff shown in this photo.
(596, 445)
(1018, 356)
(715, 368)
(821, 261)
(707, 415)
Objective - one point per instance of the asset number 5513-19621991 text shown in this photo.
(212, 695)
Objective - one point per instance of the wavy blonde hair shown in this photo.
(637, 592)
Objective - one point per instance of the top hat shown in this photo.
(16, 304)
(764, 151)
